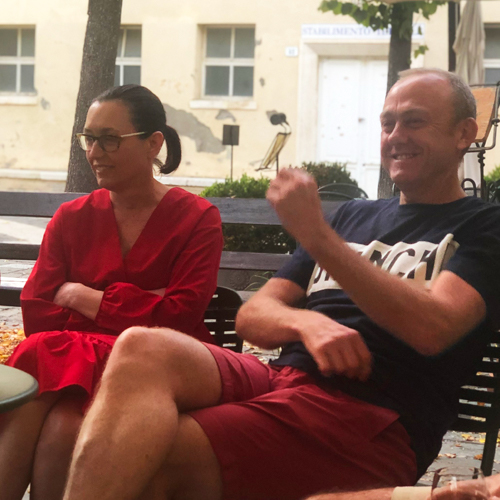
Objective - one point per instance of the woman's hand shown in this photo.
(67, 294)
(80, 298)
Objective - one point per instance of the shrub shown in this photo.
(246, 187)
(328, 173)
(493, 176)
(244, 238)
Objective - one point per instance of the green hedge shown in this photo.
(328, 173)
(244, 238)
(493, 176)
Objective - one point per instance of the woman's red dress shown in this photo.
(179, 249)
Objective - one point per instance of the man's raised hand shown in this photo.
(294, 196)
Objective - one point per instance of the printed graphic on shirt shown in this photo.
(421, 261)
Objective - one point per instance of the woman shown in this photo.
(133, 253)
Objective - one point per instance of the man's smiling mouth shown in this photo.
(406, 156)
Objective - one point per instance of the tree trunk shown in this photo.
(399, 60)
(97, 74)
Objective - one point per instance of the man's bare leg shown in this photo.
(130, 429)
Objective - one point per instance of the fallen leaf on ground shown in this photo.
(10, 337)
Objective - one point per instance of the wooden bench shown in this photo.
(233, 211)
(221, 312)
(479, 401)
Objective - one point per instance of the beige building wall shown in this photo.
(35, 130)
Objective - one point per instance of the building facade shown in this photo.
(216, 63)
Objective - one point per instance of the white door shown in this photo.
(351, 96)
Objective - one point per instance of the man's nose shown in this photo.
(398, 133)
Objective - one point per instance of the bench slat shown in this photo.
(250, 261)
(31, 204)
(253, 261)
(233, 210)
(19, 251)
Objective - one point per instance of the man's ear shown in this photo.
(467, 131)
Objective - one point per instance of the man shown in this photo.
(465, 490)
(366, 384)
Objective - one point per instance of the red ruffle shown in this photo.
(63, 359)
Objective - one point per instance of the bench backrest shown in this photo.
(233, 211)
(220, 318)
(479, 402)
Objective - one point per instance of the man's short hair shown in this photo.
(464, 103)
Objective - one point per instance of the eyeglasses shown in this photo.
(108, 143)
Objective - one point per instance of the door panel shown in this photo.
(351, 97)
(339, 82)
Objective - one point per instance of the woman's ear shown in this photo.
(155, 140)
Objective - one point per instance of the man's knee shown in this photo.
(146, 346)
(159, 359)
(161, 352)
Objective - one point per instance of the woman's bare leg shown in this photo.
(19, 433)
(191, 471)
(54, 449)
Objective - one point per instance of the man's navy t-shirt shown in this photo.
(414, 241)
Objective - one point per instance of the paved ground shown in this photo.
(457, 447)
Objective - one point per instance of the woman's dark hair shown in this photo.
(147, 115)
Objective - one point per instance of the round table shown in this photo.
(16, 388)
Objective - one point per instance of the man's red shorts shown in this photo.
(277, 435)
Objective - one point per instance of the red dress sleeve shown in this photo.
(40, 314)
(192, 283)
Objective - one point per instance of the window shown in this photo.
(492, 54)
(229, 62)
(128, 58)
(17, 60)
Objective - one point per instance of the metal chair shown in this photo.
(487, 101)
(340, 191)
(479, 403)
(220, 318)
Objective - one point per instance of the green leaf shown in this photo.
(360, 16)
(338, 9)
(348, 8)
(327, 5)
(376, 24)
(420, 51)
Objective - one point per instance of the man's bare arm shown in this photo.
(269, 320)
(428, 320)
